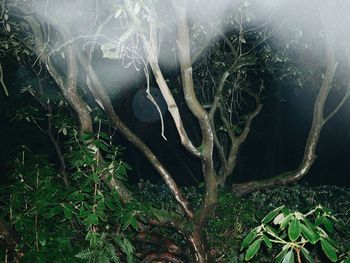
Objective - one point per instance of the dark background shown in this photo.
(275, 144)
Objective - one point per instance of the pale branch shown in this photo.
(187, 78)
(100, 94)
(151, 48)
(236, 141)
(82, 112)
(340, 104)
(311, 144)
(2, 81)
(73, 97)
(242, 137)
(213, 109)
(207, 146)
(98, 32)
(153, 101)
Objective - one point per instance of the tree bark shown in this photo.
(317, 124)
(197, 238)
(99, 93)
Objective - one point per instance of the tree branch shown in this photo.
(236, 141)
(213, 109)
(207, 146)
(340, 104)
(311, 143)
(2, 81)
(151, 48)
(99, 93)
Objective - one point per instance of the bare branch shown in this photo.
(311, 143)
(340, 104)
(99, 93)
(216, 102)
(151, 48)
(236, 142)
(2, 81)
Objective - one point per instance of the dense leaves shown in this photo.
(57, 222)
(290, 235)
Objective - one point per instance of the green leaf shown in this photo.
(329, 250)
(109, 203)
(267, 241)
(101, 215)
(286, 211)
(309, 224)
(134, 223)
(309, 234)
(252, 250)
(280, 256)
(121, 170)
(332, 241)
(96, 178)
(94, 219)
(68, 211)
(271, 231)
(54, 211)
(294, 229)
(289, 257)
(306, 255)
(328, 224)
(286, 220)
(271, 215)
(126, 219)
(248, 239)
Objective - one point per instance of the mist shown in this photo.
(106, 30)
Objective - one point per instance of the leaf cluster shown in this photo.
(295, 232)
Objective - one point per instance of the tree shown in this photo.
(65, 37)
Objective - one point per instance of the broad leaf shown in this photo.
(267, 241)
(271, 231)
(248, 239)
(252, 250)
(294, 230)
(329, 250)
(328, 224)
(271, 215)
(286, 220)
(309, 234)
(289, 257)
(278, 219)
(306, 255)
(280, 256)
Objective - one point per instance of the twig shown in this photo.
(2, 81)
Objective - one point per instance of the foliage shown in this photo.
(295, 232)
(231, 76)
(234, 220)
(57, 222)
(30, 204)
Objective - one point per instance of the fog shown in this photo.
(107, 26)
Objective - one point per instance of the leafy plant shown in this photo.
(53, 220)
(295, 232)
